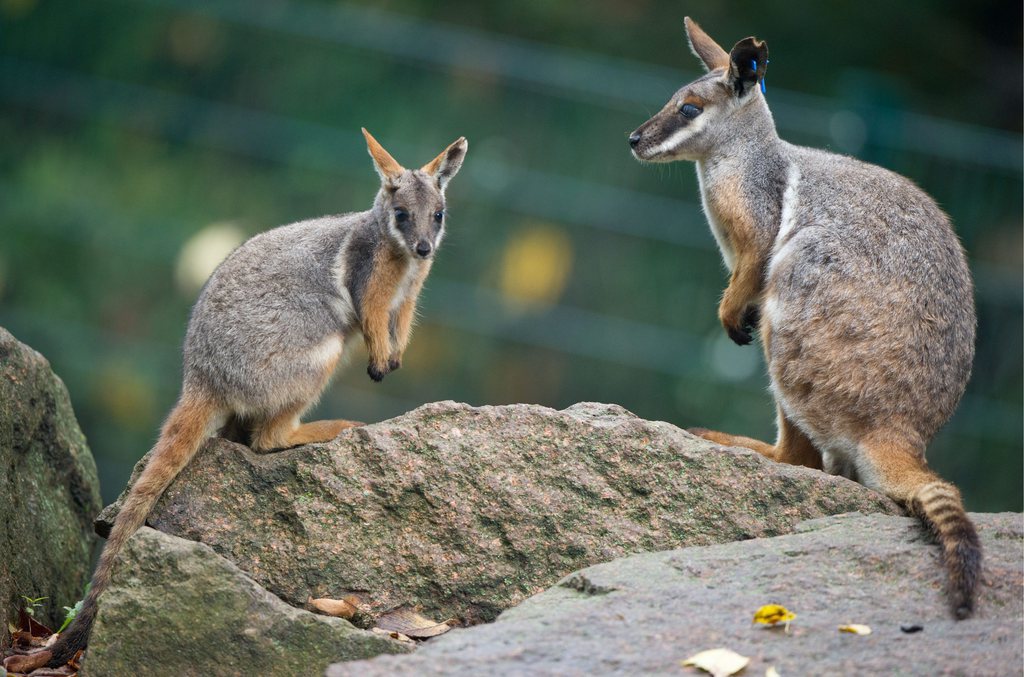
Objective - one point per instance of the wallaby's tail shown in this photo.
(939, 505)
(181, 436)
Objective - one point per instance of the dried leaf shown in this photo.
(28, 662)
(855, 629)
(409, 622)
(334, 607)
(718, 662)
(773, 614)
(31, 625)
(771, 672)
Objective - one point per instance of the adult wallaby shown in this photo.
(271, 324)
(858, 285)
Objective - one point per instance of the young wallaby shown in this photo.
(858, 285)
(271, 324)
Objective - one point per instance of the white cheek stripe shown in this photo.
(680, 135)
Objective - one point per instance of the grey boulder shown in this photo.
(646, 613)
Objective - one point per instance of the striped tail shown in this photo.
(183, 433)
(939, 505)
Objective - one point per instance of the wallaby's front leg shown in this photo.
(738, 311)
(404, 316)
(376, 315)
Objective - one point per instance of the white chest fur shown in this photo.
(405, 285)
(704, 178)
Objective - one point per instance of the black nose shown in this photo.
(423, 248)
(634, 139)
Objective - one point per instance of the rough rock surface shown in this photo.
(466, 511)
(644, 614)
(49, 492)
(175, 607)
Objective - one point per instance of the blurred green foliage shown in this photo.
(570, 271)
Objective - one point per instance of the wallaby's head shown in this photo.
(723, 105)
(410, 204)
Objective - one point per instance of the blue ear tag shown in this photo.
(753, 65)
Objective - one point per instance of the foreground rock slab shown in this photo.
(464, 512)
(175, 607)
(646, 613)
(49, 491)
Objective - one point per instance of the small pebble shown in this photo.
(911, 628)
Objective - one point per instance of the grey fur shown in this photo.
(874, 288)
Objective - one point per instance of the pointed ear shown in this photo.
(704, 48)
(386, 166)
(446, 165)
(748, 62)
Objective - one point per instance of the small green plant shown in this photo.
(70, 612)
(33, 604)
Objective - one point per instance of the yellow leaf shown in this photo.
(334, 607)
(773, 614)
(718, 662)
(855, 629)
(771, 672)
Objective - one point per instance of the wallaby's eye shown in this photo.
(401, 216)
(690, 111)
(439, 215)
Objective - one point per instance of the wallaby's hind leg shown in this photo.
(320, 431)
(898, 469)
(793, 446)
(285, 431)
(727, 440)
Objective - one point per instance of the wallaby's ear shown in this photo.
(704, 48)
(446, 165)
(748, 62)
(386, 166)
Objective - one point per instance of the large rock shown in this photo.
(467, 511)
(175, 607)
(644, 614)
(49, 492)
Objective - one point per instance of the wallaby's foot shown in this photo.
(285, 432)
(727, 440)
(320, 431)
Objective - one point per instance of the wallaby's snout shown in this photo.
(634, 139)
(423, 249)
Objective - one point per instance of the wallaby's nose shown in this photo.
(423, 248)
(634, 139)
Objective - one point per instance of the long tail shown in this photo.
(180, 439)
(939, 505)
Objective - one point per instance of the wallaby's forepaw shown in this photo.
(394, 364)
(377, 373)
(740, 337)
(743, 334)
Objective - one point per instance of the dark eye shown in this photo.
(689, 110)
(401, 216)
(439, 215)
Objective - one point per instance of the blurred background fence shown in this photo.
(142, 140)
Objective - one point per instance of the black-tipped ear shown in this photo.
(748, 61)
(447, 164)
